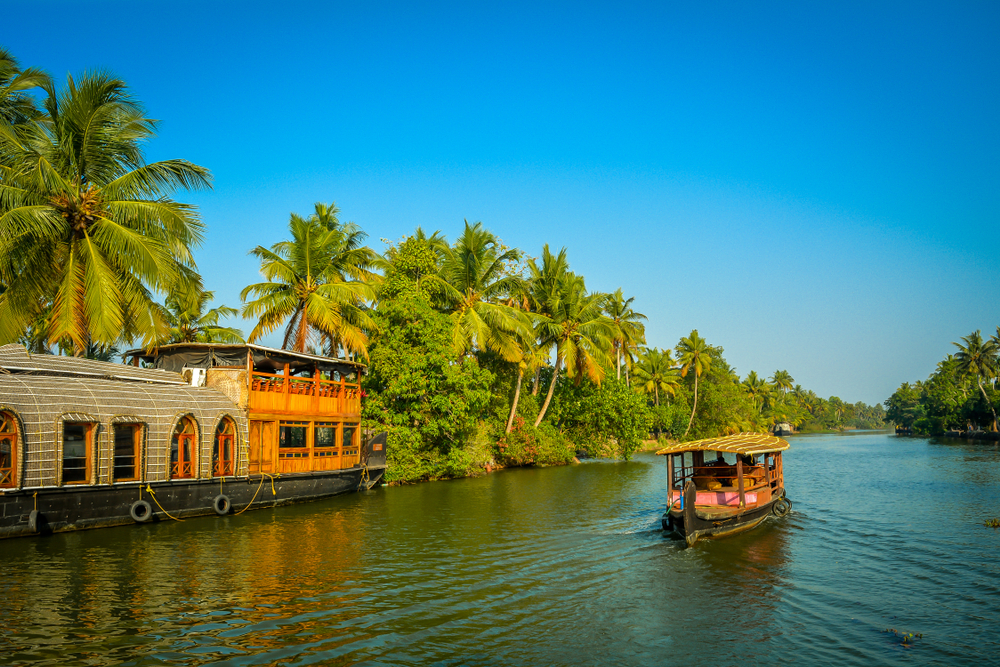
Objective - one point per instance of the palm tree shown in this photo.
(17, 108)
(782, 381)
(756, 388)
(190, 323)
(978, 359)
(326, 215)
(628, 327)
(580, 332)
(544, 285)
(694, 353)
(317, 284)
(655, 372)
(533, 356)
(86, 224)
(474, 281)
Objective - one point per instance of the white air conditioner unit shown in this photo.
(194, 376)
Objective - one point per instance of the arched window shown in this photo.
(182, 447)
(8, 450)
(222, 451)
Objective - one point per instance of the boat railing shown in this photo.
(289, 393)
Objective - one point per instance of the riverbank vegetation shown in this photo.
(479, 355)
(960, 395)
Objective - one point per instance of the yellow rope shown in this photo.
(153, 495)
(36, 500)
(273, 492)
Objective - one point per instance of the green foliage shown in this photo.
(723, 406)
(670, 419)
(610, 418)
(960, 394)
(87, 230)
(316, 285)
(409, 265)
(418, 387)
(530, 445)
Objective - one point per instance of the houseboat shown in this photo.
(722, 486)
(184, 430)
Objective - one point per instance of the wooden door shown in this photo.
(261, 447)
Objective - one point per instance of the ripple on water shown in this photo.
(540, 566)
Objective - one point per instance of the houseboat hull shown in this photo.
(64, 509)
(694, 522)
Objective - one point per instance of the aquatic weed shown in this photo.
(906, 639)
(992, 523)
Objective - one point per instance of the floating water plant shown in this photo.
(905, 638)
(992, 523)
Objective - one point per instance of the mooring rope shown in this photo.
(365, 480)
(259, 486)
(152, 494)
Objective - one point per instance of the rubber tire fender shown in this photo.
(33, 520)
(141, 511)
(781, 507)
(221, 504)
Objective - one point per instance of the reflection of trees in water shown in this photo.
(118, 594)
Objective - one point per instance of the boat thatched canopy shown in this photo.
(741, 443)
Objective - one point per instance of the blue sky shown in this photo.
(813, 187)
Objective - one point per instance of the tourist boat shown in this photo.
(184, 430)
(722, 486)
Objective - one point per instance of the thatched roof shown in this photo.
(741, 443)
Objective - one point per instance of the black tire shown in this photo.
(221, 505)
(141, 511)
(34, 521)
(781, 507)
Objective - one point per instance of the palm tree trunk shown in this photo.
(536, 381)
(691, 421)
(656, 391)
(552, 386)
(987, 398)
(300, 338)
(618, 359)
(517, 395)
(628, 380)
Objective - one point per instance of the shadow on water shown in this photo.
(539, 566)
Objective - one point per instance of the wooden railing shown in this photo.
(285, 394)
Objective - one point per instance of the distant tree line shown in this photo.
(478, 354)
(960, 395)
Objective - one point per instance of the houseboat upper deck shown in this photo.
(304, 410)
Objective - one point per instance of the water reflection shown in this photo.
(550, 566)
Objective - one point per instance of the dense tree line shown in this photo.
(478, 355)
(960, 395)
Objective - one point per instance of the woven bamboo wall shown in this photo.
(43, 402)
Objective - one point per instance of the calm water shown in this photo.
(549, 566)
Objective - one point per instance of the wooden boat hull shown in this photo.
(693, 523)
(63, 509)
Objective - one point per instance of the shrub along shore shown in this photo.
(479, 355)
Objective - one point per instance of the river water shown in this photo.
(541, 566)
